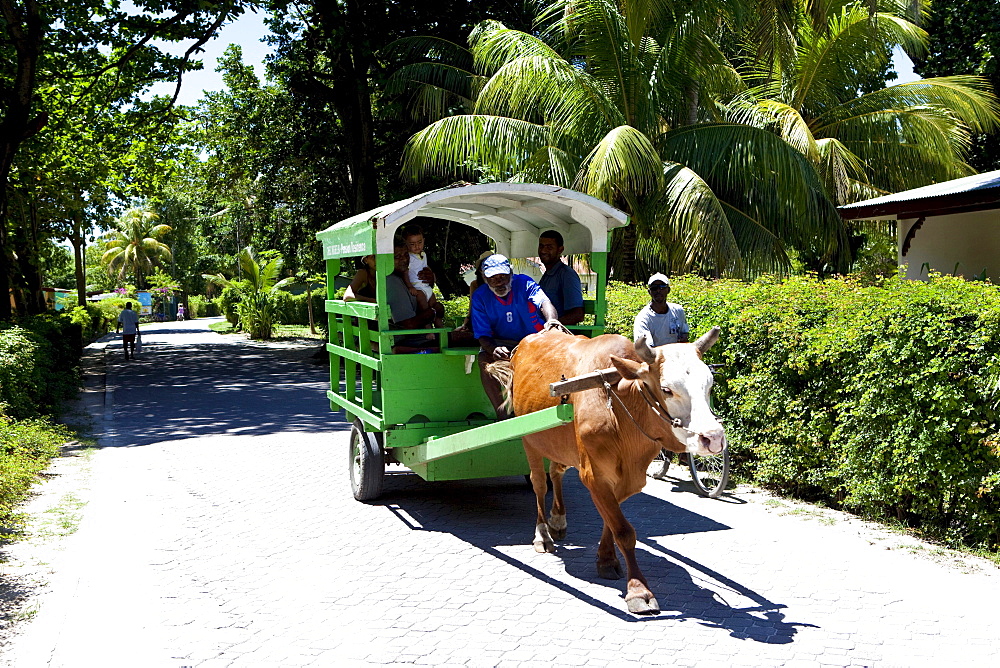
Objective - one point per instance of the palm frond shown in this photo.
(457, 145)
(624, 164)
(761, 176)
(552, 92)
(493, 46)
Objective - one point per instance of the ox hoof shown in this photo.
(558, 534)
(611, 571)
(542, 546)
(640, 606)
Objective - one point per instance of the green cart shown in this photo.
(429, 411)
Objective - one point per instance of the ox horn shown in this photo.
(642, 349)
(707, 340)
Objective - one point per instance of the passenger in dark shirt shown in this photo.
(559, 282)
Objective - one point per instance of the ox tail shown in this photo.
(502, 371)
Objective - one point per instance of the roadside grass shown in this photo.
(63, 519)
(27, 447)
(280, 331)
(223, 327)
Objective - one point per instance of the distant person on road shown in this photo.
(660, 321)
(180, 311)
(128, 322)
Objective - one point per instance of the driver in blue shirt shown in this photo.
(506, 309)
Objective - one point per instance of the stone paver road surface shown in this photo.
(219, 530)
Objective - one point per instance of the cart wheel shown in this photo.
(367, 463)
(710, 474)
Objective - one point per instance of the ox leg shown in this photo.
(557, 516)
(638, 597)
(608, 566)
(543, 538)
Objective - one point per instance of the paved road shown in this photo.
(219, 530)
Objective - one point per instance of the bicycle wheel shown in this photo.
(710, 474)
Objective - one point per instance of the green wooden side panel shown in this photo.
(500, 459)
(434, 387)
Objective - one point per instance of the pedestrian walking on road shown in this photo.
(128, 322)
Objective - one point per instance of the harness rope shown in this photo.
(672, 422)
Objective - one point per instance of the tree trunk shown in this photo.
(28, 265)
(349, 32)
(24, 31)
(309, 306)
(79, 240)
(627, 238)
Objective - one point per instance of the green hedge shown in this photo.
(294, 309)
(202, 307)
(38, 364)
(882, 399)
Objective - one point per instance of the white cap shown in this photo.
(496, 264)
(658, 278)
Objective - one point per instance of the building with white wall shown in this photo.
(951, 227)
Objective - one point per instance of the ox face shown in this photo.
(684, 383)
(675, 377)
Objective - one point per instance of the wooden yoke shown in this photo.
(587, 381)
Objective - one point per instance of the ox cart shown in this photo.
(429, 411)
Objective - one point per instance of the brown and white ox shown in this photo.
(612, 439)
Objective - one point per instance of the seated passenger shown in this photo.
(403, 308)
(362, 287)
(415, 276)
(560, 282)
(506, 309)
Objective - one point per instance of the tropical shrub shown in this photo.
(229, 301)
(256, 306)
(879, 397)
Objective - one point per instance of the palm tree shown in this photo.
(607, 100)
(636, 104)
(134, 246)
(877, 142)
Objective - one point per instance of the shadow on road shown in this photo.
(501, 511)
(175, 392)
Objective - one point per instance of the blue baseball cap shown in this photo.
(496, 264)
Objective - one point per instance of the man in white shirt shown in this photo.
(128, 321)
(661, 321)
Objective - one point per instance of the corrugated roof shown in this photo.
(969, 193)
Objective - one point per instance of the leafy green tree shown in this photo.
(964, 39)
(46, 49)
(134, 247)
(328, 57)
(885, 140)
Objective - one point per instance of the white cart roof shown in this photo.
(512, 214)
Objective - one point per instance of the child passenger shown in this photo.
(413, 235)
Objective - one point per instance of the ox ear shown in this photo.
(707, 340)
(629, 369)
(642, 349)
